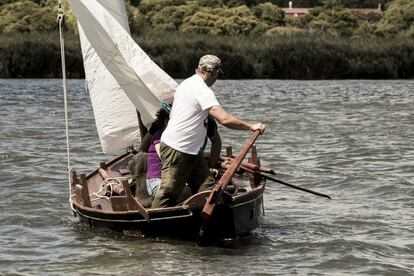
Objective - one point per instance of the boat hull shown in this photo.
(238, 212)
(234, 217)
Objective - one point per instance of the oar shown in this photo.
(216, 193)
(285, 183)
(249, 165)
(244, 164)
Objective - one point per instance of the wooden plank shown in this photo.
(254, 158)
(74, 180)
(255, 179)
(197, 201)
(229, 151)
(85, 191)
(104, 174)
(133, 203)
(124, 171)
(74, 177)
(119, 203)
(78, 194)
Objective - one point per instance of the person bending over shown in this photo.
(181, 142)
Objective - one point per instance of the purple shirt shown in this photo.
(153, 161)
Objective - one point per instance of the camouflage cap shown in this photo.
(210, 63)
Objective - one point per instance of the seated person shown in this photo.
(153, 178)
(140, 162)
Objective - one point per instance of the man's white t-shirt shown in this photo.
(187, 127)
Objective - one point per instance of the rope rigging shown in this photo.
(107, 188)
(61, 19)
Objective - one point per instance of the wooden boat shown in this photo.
(238, 213)
(122, 79)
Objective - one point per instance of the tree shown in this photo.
(237, 25)
(171, 18)
(340, 22)
(200, 22)
(153, 6)
(269, 13)
(284, 31)
(26, 16)
(231, 21)
(365, 30)
(236, 3)
(331, 4)
(3, 2)
(239, 20)
(398, 18)
(296, 3)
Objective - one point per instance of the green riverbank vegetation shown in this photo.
(255, 39)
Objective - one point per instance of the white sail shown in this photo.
(120, 75)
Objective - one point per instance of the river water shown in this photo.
(352, 140)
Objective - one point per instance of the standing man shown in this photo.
(182, 140)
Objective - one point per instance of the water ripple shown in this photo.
(349, 139)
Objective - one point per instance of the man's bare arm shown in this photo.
(230, 121)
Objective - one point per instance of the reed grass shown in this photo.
(281, 57)
(38, 56)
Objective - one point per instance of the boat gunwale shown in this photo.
(234, 198)
(235, 202)
(109, 164)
